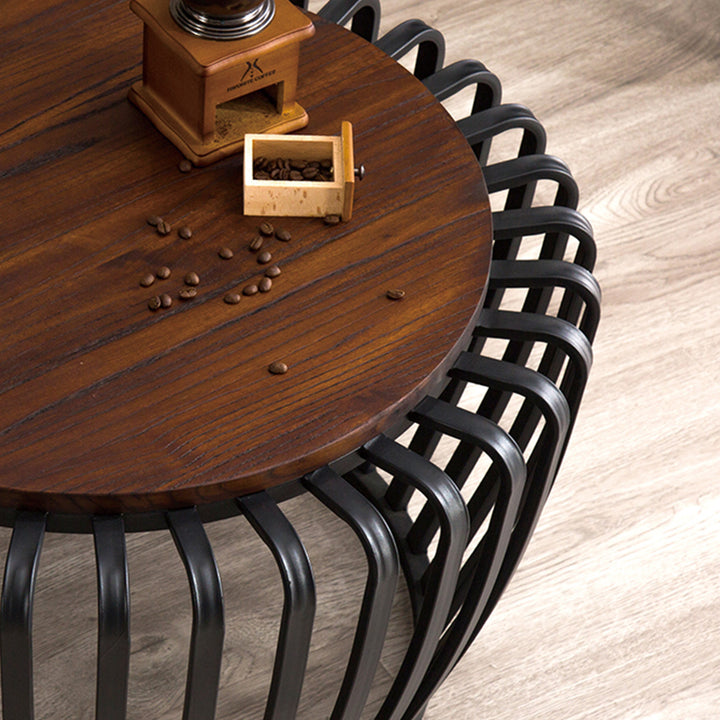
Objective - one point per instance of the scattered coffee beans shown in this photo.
(225, 253)
(395, 294)
(266, 229)
(273, 271)
(185, 232)
(283, 235)
(278, 368)
(331, 219)
(187, 293)
(147, 280)
(155, 303)
(185, 166)
(251, 289)
(163, 273)
(163, 228)
(192, 279)
(154, 220)
(165, 300)
(232, 298)
(264, 257)
(256, 243)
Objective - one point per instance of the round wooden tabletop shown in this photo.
(107, 406)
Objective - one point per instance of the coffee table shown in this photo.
(116, 417)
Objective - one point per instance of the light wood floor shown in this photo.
(615, 611)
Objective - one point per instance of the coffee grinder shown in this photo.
(214, 70)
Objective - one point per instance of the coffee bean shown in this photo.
(278, 367)
(259, 162)
(163, 273)
(185, 232)
(185, 166)
(164, 228)
(165, 300)
(261, 175)
(225, 253)
(331, 219)
(395, 294)
(298, 164)
(192, 278)
(273, 271)
(296, 176)
(155, 303)
(283, 235)
(326, 164)
(265, 285)
(232, 298)
(147, 280)
(250, 289)
(309, 172)
(266, 228)
(264, 257)
(187, 293)
(154, 220)
(256, 243)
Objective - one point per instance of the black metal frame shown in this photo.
(482, 527)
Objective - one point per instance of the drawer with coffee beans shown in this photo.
(300, 175)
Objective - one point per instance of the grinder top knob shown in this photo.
(222, 19)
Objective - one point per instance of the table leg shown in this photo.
(113, 659)
(16, 607)
(208, 627)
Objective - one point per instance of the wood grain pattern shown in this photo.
(106, 405)
(613, 614)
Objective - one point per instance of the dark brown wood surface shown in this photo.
(107, 406)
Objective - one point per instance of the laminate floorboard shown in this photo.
(613, 614)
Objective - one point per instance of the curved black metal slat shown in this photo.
(450, 80)
(552, 274)
(506, 455)
(383, 569)
(520, 171)
(561, 335)
(541, 220)
(16, 606)
(478, 435)
(564, 340)
(479, 129)
(208, 628)
(442, 494)
(363, 16)
(298, 614)
(113, 655)
(430, 44)
(544, 398)
(545, 456)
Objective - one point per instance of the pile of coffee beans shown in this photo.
(292, 169)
